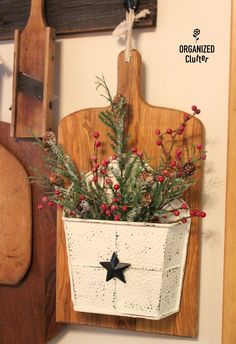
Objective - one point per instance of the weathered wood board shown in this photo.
(28, 308)
(76, 134)
(15, 229)
(72, 16)
(33, 76)
(229, 295)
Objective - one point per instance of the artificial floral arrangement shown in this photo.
(122, 187)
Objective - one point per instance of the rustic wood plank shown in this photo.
(28, 308)
(76, 134)
(229, 305)
(15, 231)
(34, 57)
(71, 16)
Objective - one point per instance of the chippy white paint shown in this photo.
(156, 254)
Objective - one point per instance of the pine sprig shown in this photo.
(124, 186)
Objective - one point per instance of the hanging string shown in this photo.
(125, 29)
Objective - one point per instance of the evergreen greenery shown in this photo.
(122, 187)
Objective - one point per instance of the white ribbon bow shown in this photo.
(125, 28)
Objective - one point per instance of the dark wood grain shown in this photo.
(28, 309)
(76, 134)
(71, 16)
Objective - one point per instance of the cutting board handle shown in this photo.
(37, 13)
(129, 76)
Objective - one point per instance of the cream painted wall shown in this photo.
(167, 81)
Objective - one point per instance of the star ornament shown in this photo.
(115, 268)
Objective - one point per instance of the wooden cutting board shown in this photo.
(15, 219)
(76, 134)
(33, 76)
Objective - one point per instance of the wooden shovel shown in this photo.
(76, 134)
(33, 76)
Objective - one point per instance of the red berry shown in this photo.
(95, 179)
(114, 157)
(103, 207)
(103, 171)
(169, 131)
(178, 151)
(199, 146)
(108, 212)
(96, 135)
(97, 144)
(108, 181)
(140, 154)
(40, 206)
(193, 213)
(180, 130)
(105, 162)
(44, 199)
(82, 197)
(173, 163)
(159, 142)
(186, 117)
(184, 220)
(198, 213)
(176, 212)
(96, 166)
(116, 187)
(184, 206)
(157, 132)
(160, 179)
(198, 111)
(94, 158)
(116, 217)
(50, 204)
(118, 195)
(203, 214)
(124, 208)
(114, 208)
(165, 173)
(194, 108)
(203, 156)
(134, 150)
(57, 192)
(59, 206)
(115, 200)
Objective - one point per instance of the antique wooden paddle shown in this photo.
(15, 219)
(33, 76)
(76, 134)
(27, 308)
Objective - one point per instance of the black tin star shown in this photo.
(115, 268)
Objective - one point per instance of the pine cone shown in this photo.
(147, 199)
(146, 177)
(117, 98)
(55, 179)
(188, 169)
(48, 137)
